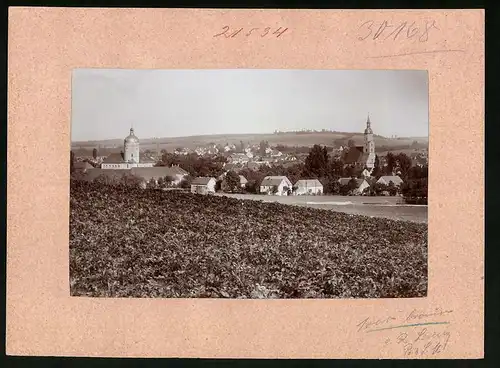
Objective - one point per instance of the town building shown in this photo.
(308, 186)
(277, 185)
(130, 156)
(363, 156)
(361, 184)
(203, 185)
(236, 158)
(386, 179)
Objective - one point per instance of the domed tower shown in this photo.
(369, 147)
(131, 148)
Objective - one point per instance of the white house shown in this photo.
(361, 184)
(309, 186)
(388, 178)
(281, 183)
(203, 185)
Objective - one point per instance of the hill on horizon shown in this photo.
(286, 138)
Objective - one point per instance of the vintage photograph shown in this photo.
(249, 183)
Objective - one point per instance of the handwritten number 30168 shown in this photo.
(252, 31)
(385, 30)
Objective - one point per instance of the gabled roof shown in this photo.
(243, 180)
(177, 170)
(270, 181)
(202, 180)
(308, 183)
(114, 158)
(388, 178)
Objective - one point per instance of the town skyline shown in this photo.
(190, 103)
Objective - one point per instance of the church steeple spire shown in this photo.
(368, 129)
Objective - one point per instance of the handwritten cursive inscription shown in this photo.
(369, 323)
(227, 32)
(418, 333)
(416, 315)
(423, 342)
(403, 30)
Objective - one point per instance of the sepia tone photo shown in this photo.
(249, 184)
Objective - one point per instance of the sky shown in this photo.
(175, 103)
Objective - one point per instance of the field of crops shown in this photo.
(127, 242)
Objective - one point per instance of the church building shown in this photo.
(363, 156)
(130, 156)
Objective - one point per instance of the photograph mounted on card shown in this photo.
(249, 183)
(245, 183)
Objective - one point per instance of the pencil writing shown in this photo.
(227, 32)
(404, 30)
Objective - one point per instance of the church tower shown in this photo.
(131, 148)
(369, 147)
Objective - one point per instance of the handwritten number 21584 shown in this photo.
(262, 32)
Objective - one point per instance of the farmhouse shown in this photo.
(203, 185)
(279, 183)
(310, 186)
(396, 180)
(361, 184)
(363, 156)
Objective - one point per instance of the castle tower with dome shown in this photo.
(130, 157)
(131, 148)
